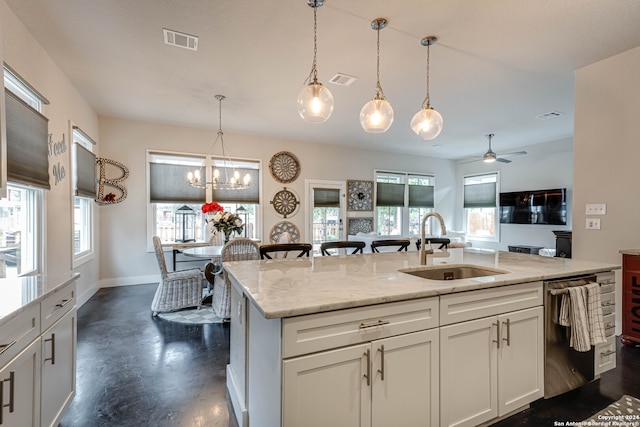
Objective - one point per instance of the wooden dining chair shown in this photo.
(303, 248)
(440, 241)
(401, 244)
(342, 244)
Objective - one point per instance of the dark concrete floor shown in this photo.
(136, 370)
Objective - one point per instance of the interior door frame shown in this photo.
(309, 186)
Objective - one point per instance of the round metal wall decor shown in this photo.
(286, 202)
(284, 167)
(284, 227)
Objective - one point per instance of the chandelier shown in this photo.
(427, 122)
(226, 179)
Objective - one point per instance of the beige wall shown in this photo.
(28, 58)
(606, 156)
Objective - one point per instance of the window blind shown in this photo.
(421, 196)
(326, 198)
(168, 184)
(480, 195)
(247, 195)
(86, 172)
(27, 151)
(389, 194)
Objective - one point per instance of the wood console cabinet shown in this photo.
(630, 300)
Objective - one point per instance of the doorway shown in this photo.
(326, 211)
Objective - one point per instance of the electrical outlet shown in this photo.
(596, 209)
(593, 223)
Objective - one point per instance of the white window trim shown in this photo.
(496, 226)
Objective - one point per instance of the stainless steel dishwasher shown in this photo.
(564, 368)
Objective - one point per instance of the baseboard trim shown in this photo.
(128, 281)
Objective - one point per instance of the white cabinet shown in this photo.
(491, 366)
(20, 383)
(58, 368)
(392, 381)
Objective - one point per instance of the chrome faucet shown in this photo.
(423, 245)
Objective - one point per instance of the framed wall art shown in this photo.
(359, 195)
(359, 225)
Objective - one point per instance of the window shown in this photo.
(402, 199)
(481, 207)
(169, 190)
(84, 185)
(21, 237)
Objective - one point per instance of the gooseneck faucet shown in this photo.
(423, 245)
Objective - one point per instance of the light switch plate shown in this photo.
(596, 209)
(593, 223)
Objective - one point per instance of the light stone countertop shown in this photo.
(293, 287)
(629, 251)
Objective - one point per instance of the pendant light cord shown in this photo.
(427, 100)
(313, 75)
(379, 92)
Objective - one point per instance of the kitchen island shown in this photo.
(357, 340)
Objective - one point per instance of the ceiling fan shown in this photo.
(490, 156)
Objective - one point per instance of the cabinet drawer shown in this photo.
(322, 331)
(609, 321)
(16, 333)
(608, 278)
(57, 305)
(605, 356)
(470, 305)
(608, 303)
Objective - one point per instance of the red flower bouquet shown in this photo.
(212, 207)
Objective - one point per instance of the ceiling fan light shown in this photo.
(427, 123)
(489, 157)
(376, 116)
(315, 103)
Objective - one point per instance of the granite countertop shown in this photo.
(293, 287)
(629, 251)
(17, 293)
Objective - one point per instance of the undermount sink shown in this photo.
(453, 272)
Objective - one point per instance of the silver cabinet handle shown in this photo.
(381, 370)
(608, 303)
(5, 347)
(608, 353)
(53, 349)
(367, 375)
(508, 339)
(497, 340)
(374, 324)
(11, 394)
(63, 303)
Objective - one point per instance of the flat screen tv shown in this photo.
(534, 207)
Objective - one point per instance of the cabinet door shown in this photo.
(405, 389)
(58, 368)
(328, 389)
(468, 372)
(520, 359)
(20, 407)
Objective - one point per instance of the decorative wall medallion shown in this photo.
(359, 195)
(284, 227)
(286, 202)
(360, 225)
(284, 167)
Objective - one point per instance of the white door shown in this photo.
(405, 374)
(325, 213)
(520, 359)
(328, 389)
(468, 372)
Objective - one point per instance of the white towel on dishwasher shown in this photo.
(594, 314)
(580, 339)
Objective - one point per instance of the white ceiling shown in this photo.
(497, 64)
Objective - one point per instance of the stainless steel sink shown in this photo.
(453, 272)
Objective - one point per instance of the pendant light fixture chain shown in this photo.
(378, 24)
(428, 41)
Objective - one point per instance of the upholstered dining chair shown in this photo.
(238, 249)
(303, 248)
(401, 244)
(177, 289)
(356, 246)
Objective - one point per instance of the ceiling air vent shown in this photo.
(343, 79)
(550, 115)
(174, 38)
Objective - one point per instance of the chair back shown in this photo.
(157, 245)
(240, 249)
(303, 248)
(401, 244)
(443, 242)
(342, 244)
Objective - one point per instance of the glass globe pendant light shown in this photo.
(427, 122)
(377, 115)
(315, 102)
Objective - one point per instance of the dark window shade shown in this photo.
(421, 196)
(388, 194)
(480, 195)
(27, 151)
(168, 184)
(326, 198)
(247, 195)
(85, 172)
